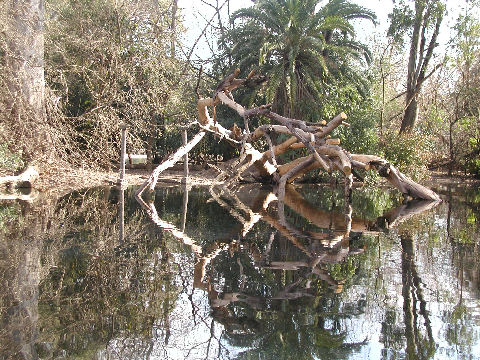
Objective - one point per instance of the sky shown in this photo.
(197, 14)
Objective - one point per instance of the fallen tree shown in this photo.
(324, 152)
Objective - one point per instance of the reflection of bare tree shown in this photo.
(20, 275)
(418, 346)
(68, 285)
(20, 301)
(395, 216)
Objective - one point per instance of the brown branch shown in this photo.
(338, 152)
(332, 124)
(290, 173)
(198, 81)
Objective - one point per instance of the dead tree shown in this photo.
(324, 152)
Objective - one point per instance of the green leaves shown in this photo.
(300, 46)
(401, 20)
(9, 160)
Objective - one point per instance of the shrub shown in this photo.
(8, 160)
(410, 152)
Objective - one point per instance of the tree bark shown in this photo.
(411, 114)
(419, 57)
(25, 51)
(404, 184)
(24, 69)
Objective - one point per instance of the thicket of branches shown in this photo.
(112, 62)
(106, 63)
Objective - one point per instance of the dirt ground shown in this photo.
(68, 179)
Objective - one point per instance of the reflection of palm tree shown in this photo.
(418, 346)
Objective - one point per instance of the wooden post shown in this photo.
(185, 158)
(121, 181)
(121, 215)
(186, 189)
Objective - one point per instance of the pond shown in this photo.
(207, 273)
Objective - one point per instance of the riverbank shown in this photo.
(63, 180)
(442, 177)
(73, 179)
(67, 179)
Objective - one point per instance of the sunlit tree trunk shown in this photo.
(24, 65)
(426, 13)
(24, 56)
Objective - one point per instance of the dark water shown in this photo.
(230, 274)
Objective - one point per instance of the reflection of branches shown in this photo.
(253, 216)
(152, 213)
(339, 226)
(292, 234)
(208, 342)
(249, 211)
(405, 211)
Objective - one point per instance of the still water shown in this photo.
(207, 273)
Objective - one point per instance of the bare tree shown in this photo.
(424, 22)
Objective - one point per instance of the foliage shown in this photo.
(361, 136)
(8, 214)
(8, 160)
(467, 91)
(410, 153)
(451, 110)
(108, 66)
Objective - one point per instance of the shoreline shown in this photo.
(62, 180)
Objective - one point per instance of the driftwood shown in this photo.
(19, 187)
(325, 152)
(23, 181)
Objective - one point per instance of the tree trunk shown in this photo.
(426, 14)
(411, 114)
(173, 28)
(24, 68)
(24, 56)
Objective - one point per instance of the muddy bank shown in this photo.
(68, 179)
(62, 180)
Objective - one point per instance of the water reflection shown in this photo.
(233, 273)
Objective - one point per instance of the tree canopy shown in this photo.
(303, 47)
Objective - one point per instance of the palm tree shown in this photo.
(302, 47)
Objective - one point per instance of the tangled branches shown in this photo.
(324, 151)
